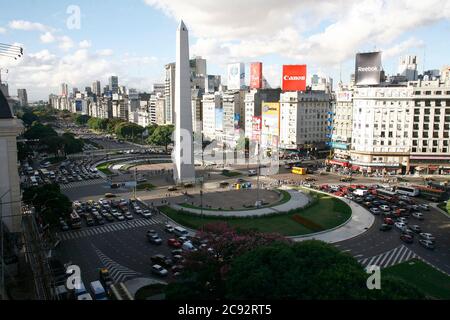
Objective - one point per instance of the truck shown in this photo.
(360, 192)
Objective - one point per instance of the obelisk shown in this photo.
(184, 171)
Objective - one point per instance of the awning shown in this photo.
(433, 167)
(339, 162)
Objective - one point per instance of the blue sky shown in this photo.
(135, 38)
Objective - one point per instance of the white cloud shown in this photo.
(65, 43)
(85, 44)
(105, 52)
(27, 25)
(47, 37)
(321, 32)
(2, 30)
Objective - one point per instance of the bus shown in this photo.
(431, 193)
(75, 220)
(298, 170)
(386, 195)
(408, 191)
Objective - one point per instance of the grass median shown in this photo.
(431, 282)
(104, 167)
(325, 212)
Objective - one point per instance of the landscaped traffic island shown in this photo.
(324, 212)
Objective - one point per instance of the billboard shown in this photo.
(219, 119)
(78, 105)
(256, 75)
(368, 68)
(237, 120)
(270, 126)
(236, 76)
(256, 128)
(294, 77)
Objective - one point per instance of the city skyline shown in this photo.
(55, 54)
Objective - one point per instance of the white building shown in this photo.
(304, 119)
(212, 110)
(233, 115)
(408, 67)
(342, 126)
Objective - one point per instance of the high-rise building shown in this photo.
(408, 67)
(114, 84)
(184, 171)
(233, 115)
(197, 111)
(212, 83)
(23, 97)
(304, 119)
(9, 183)
(96, 88)
(212, 112)
(169, 92)
(64, 90)
(159, 88)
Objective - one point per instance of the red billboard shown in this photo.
(256, 128)
(294, 77)
(256, 75)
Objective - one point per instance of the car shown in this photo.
(385, 208)
(177, 252)
(418, 215)
(105, 278)
(408, 231)
(159, 270)
(110, 195)
(427, 244)
(388, 221)
(424, 206)
(63, 225)
(174, 243)
(109, 217)
(310, 179)
(154, 239)
(427, 236)
(415, 228)
(177, 268)
(169, 228)
(161, 260)
(400, 225)
(172, 188)
(375, 211)
(120, 217)
(407, 238)
(128, 215)
(177, 258)
(402, 219)
(385, 227)
(146, 214)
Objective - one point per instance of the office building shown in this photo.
(23, 97)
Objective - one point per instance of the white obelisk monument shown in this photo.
(184, 171)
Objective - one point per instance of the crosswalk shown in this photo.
(93, 231)
(117, 272)
(77, 184)
(389, 258)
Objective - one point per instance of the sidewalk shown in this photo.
(360, 221)
(298, 200)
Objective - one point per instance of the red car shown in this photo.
(407, 238)
(174, 243)
(388, 221)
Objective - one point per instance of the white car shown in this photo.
(146, 213)
(427, 244)
(400, 225)
(427, 236)
(403, 220)
(160, 271)
(418, 215)
(385, 207)
(424, 206)
(374, 210)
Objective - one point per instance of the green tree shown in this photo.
(54, 144)
(23, 150)
(28, 117)
(49, 202)
(162, 136)
(112, 123)
(97, 124)
(128, 130)
(39, 131)
(71, 144)
(81, 119)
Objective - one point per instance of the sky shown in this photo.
(134, 39)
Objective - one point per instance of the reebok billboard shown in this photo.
(256, 75)
(294, 77)
(368, 68)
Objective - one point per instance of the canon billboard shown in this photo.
(236, 76)
(294, 77)
(368, 68)
(256, 75)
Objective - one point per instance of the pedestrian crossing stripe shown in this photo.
(118, 272)
(392, 257)
(93, 231)
(84, 183)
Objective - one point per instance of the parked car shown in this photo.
(427, 236)
(415, 228)
(174, 243)
(161, 260)
(159, 270)
(427, 244)
(407, 238)
(169, 228)
(424, 206)
(177, 252)
(400, 225)
(154, 239)
(418, 215)
(403, 219)
(385, 208)
(385, 227)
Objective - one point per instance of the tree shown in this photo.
(252, 265)
(162, 136)
(54, 144)
(28, 118)
(71, 144)
(23, 150)
(39, 131)
(112, 123)
(128, 130)
(97, 124)
(81, 119)
(49, 202)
